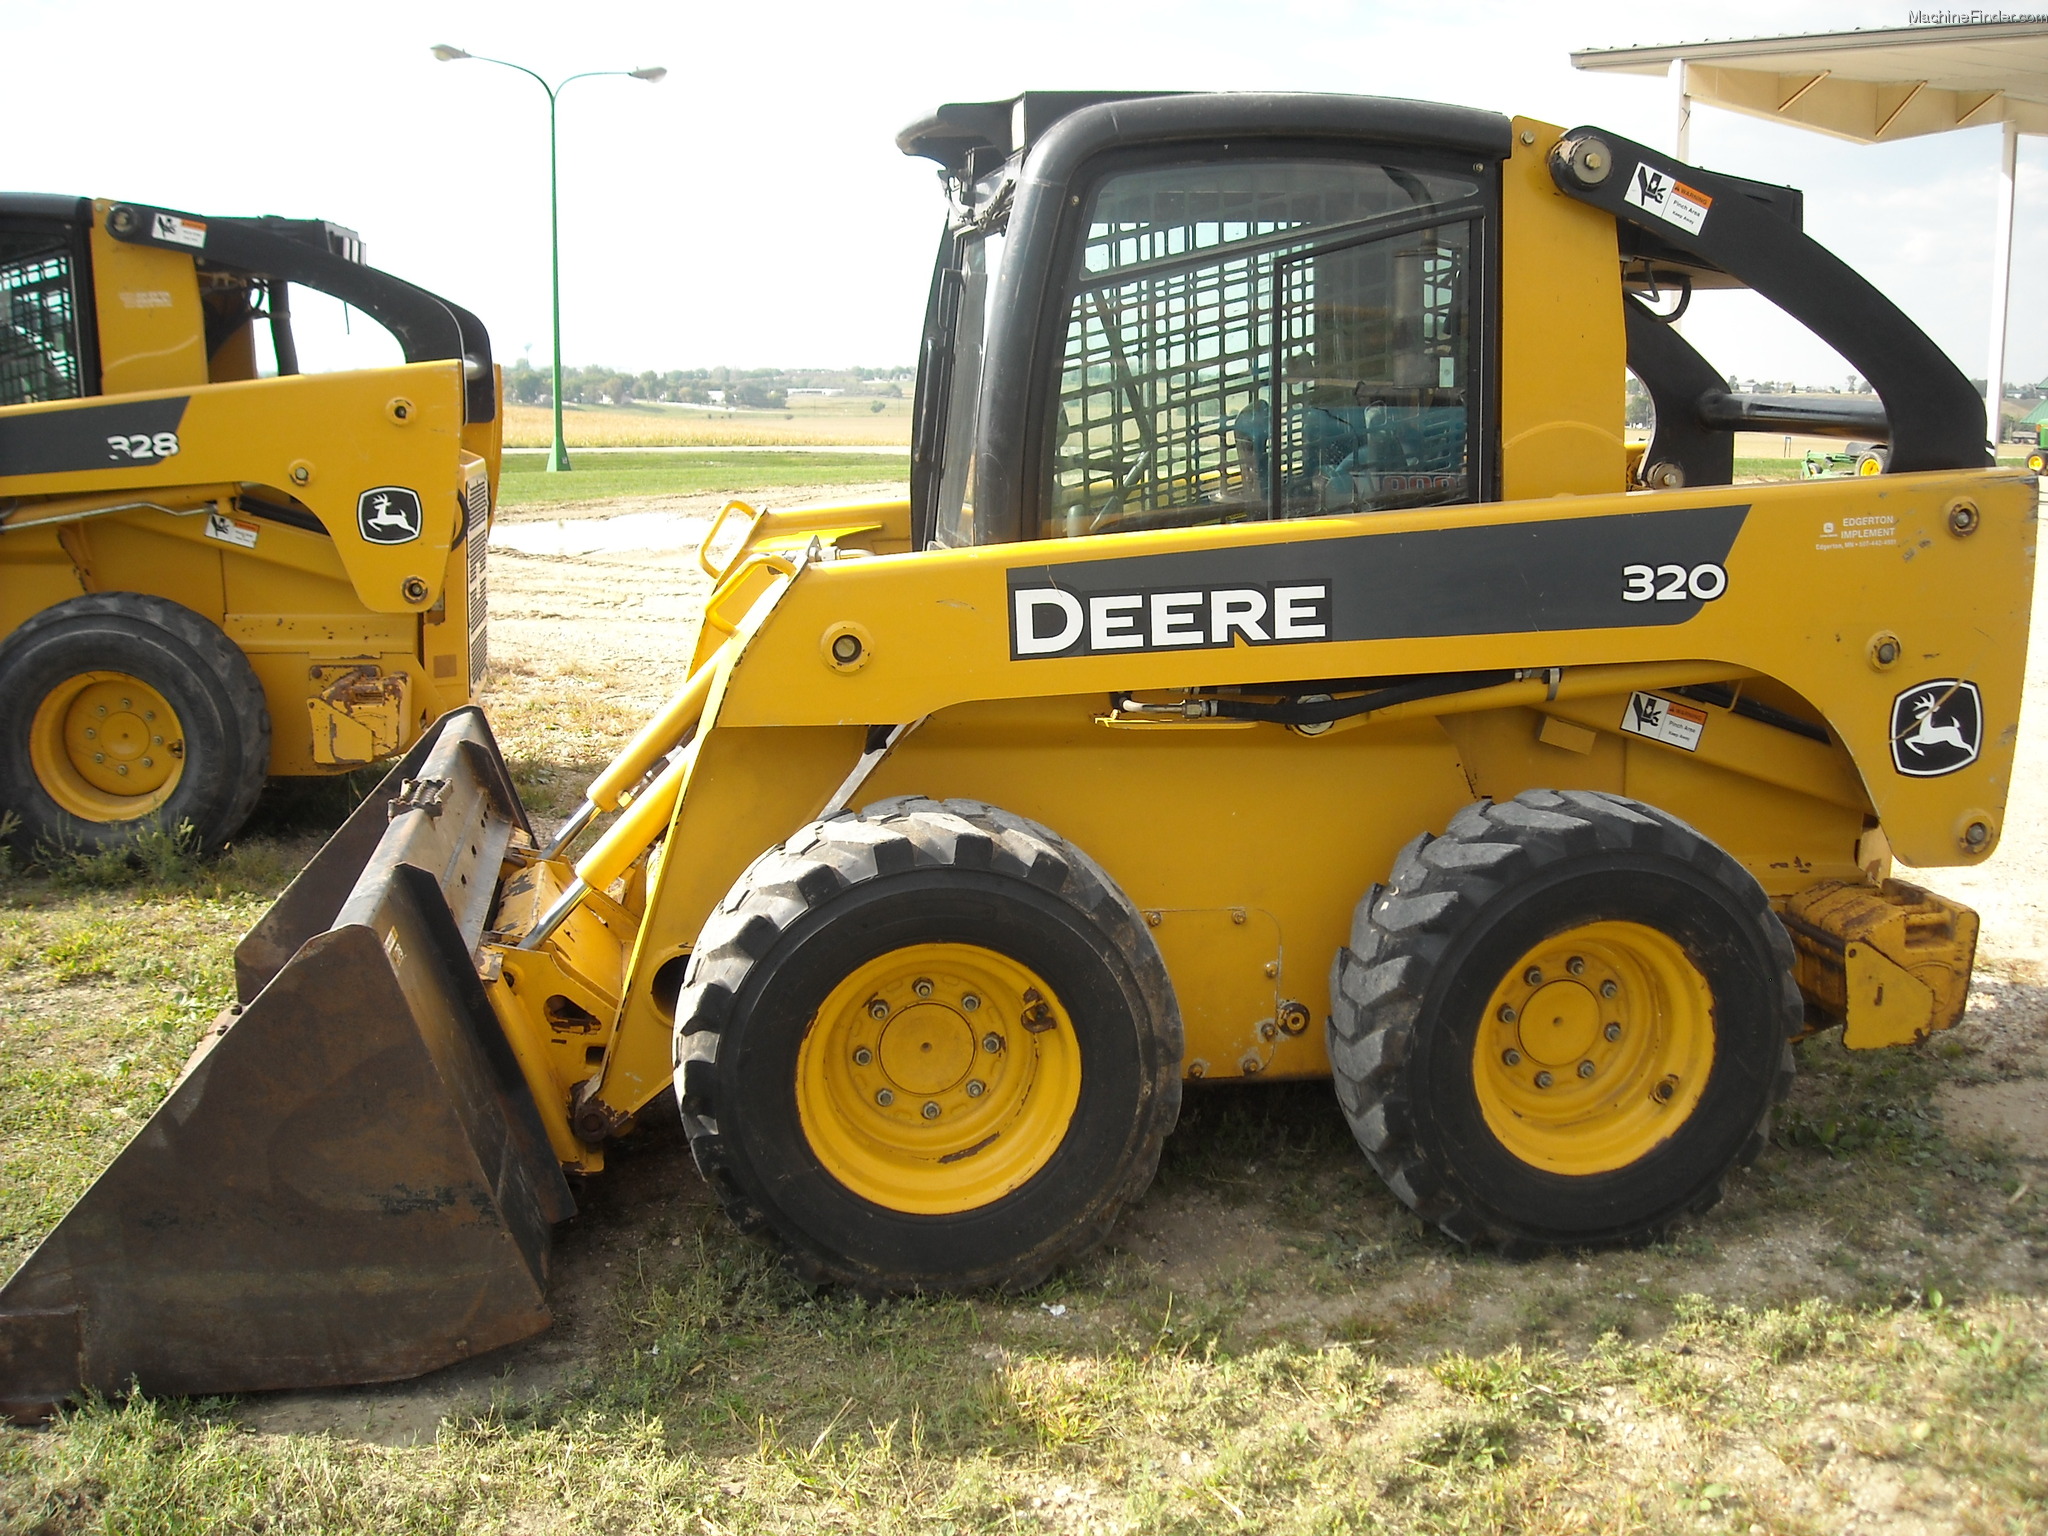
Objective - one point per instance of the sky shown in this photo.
(751, 210)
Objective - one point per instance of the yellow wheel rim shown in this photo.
(1869, 467)
(106, 746)
(1594, 1048)
(937, 1078)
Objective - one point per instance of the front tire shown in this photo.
(1563, 1022)
(120, 711)
(928, 1047)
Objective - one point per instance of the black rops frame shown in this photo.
(1937, 419)
(1049, 216)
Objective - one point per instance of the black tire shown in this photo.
(845, 892)
(1458, 914)
(185, 658)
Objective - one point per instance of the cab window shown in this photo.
(39, 350)
(1259, 340)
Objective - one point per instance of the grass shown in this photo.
(846, 419)
(525, 481)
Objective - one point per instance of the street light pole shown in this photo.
(558, 452)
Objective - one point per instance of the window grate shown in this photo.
(38, 329)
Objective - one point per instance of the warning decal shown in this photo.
(1670, 199)
(231, 530)
(1660, 719)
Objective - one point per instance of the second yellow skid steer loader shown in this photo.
(210, 576)
(1282, 668)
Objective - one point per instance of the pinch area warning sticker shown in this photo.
(231, 530)
(1660, 719)
(177, 231)
(1670, 199)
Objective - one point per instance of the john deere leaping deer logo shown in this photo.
(1937, 728)
(390, 514)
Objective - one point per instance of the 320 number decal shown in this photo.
(143, 447)
(1672, 583)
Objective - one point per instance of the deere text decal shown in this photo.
(1477, 579)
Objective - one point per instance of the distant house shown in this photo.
(796, 394)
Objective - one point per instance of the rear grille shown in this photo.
(478, 536)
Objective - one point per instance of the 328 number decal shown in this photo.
(143, 447)
(1672, 583)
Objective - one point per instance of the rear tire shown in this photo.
(928, 1047)
(121, 711)
(1563, 1022)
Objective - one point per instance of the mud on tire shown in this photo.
(902, 876)
(1428, 951)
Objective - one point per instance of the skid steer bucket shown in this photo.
(350, 1182)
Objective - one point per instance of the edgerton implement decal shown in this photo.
(389, 514)
(1937, 728)
(1486, 579)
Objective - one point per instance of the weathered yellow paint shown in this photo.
(1562, 351)
(146, 302)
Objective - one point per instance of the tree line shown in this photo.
(751, 388)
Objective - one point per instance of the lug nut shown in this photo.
(1575, 965)
(99, 757)
(863, 1056)
(976, 1088)
(150, 714)
(931, 1110)
(91, 734)
(1585, 1069)
(969, 1003)
(101, 711)
(1612, 1031)
(922, 986)
(1511, 1058)
(1533, 976)
(1507, 1013)
(1543, 1079)
(992, 1043)
(877, 1009)
(127, 703)
(1608, 989)
(122, 769)
(884, 1097)
(148, 762)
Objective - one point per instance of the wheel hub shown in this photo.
(937, 1078)
(1559, 1024)
(107, 746)
(1594, 1048)
(927, 1049)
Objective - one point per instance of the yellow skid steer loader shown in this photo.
(208, 575)
(1282, 668)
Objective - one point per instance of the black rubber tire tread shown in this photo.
(173, 649)
(1383, 981)
(827, 860)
